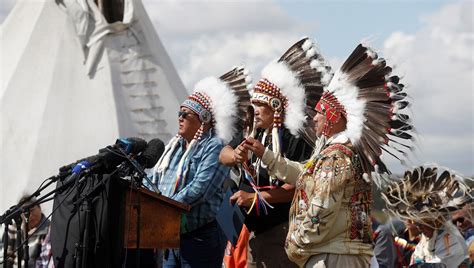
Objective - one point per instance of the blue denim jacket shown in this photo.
(203, 187)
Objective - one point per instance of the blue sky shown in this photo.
(341, 24)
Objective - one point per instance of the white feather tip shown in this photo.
(366, 178)
(370, 53)
(311, 52)
(307, 45)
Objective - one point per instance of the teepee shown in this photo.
(72, 82)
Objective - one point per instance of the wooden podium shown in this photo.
(111, 218)
(160, 220)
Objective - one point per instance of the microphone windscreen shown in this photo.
(152, 153)
(132, 145)
(81, 166)
(106, 160)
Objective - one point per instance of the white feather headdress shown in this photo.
(222, 97)
(293, 85)
(217, 101)
(372, 101)
(223, 106)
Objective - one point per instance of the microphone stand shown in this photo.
(82, 249)
(5, 245)
(18, 239)
(136, 184)
(26, 251)
(12, 211)
(86, 199)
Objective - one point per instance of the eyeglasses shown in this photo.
(184, 114)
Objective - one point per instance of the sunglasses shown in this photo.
(184, 114)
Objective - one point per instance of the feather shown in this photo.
(357, 56)
(300, 83)
(238, 80)
(427, 196)
(373, 112)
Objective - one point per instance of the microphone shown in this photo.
(108, 158)
(131, 145)
(149, 157)
(152, 153)
(77, 171)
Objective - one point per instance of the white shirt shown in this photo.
(447, 246)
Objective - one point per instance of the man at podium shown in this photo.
(189, 170)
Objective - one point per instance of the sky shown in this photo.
(430, 44)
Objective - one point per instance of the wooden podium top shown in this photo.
(166, 200)
(160, 220)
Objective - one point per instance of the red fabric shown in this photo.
(236, 257)
(330, 107)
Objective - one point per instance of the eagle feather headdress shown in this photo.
(373, 102)
(424, 194)
(291, 86)
(220, 102)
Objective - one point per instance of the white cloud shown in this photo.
(208, 38)
(193, 18)
(213, 55)
(437, 64)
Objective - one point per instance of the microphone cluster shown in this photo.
(110, 157)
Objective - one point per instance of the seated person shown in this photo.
(37, 229)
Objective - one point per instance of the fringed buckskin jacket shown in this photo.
(330, 212)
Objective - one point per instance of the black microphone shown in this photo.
(131, 145)
(108, 158)
(76, 172)
(152, 153)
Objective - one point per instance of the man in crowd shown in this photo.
(265, 199)
(385, 251)
(36, 228)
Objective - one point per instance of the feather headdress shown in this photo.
(291, 86)
(217, 101)
(421, 195)
(221, 101)
(372, 102)
(239, 80)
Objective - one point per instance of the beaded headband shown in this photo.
(268, 93)
(332, 109)
(201, 104)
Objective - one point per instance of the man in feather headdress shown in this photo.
(279, 100)
(356, 118)
(189, 170)
(428, 200)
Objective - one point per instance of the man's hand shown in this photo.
(255, 146)
(241, 153)
(242, 198)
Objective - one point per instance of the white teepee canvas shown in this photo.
(71, 83)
